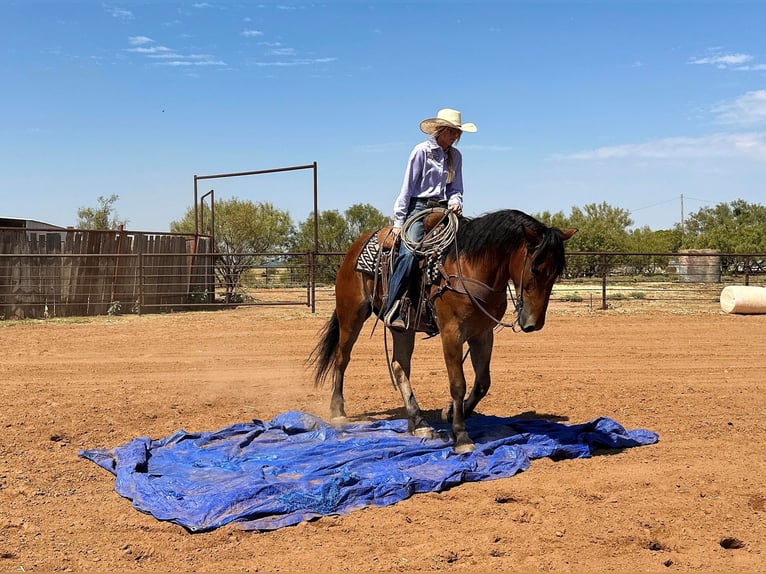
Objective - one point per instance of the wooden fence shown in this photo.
(74, 272)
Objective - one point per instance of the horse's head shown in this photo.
(534, 269)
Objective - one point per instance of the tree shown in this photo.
(736, 227)
(101, 217)
(601, 228)
(643, 240)
(242, 229)
(337, 232)
(363, 217)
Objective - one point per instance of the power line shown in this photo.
(652, 205)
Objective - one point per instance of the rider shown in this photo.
(434, 174)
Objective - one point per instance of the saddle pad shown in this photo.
(368, 257)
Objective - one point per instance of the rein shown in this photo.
(518, 302)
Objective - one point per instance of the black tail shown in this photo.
(323, 355)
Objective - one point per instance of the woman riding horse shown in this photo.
(491, 251)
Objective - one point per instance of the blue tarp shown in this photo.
(266, 475)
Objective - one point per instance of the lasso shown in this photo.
(437, 239)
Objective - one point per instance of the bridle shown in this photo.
(518, 302)
(438, 241)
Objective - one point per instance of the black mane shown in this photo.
(504, 231)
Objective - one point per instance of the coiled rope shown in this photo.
(438, 238)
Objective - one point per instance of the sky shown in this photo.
(654, 107)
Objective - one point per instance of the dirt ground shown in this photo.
(695, 501)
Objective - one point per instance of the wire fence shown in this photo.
(42, 286)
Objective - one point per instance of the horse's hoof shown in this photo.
(340, 419)
(464, 448)
(424, 432)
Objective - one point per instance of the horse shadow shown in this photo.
(547, 433)
(434, 415)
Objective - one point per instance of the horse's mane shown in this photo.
(504, 230)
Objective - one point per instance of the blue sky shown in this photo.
(631, 103)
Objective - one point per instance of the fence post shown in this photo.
(140, 283)
(312, 257)
(604, 260)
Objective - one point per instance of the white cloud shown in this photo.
(296, 62)
(139, 40)
(722, 145)
(164, 56)
(121, 13)
(749, 109)
(722, 60)
(752, 68)
(252, 33)
(282, 52)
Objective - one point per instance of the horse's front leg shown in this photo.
(481, 355)
(404, 343)
(453, 357)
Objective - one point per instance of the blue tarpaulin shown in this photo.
(266, 475)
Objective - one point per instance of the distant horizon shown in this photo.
(128, 228)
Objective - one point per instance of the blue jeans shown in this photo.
(406, 261)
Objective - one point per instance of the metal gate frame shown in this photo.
(312, 256)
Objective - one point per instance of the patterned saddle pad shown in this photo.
(368, 257)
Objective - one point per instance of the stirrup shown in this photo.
(392, 318)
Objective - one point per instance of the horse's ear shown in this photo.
(567, 234)
(532, 237)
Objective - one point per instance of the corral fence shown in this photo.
(604, 280)
(71, 272)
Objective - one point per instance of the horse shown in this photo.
(490, 251)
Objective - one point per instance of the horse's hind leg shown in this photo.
(404, 343)
(350, 323)
(352, 312)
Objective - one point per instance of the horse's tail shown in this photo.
(323, 356)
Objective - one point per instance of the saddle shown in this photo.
(416, 307)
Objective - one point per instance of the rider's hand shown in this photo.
(456, 208)
(396, 230)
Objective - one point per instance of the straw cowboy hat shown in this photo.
(446, 117)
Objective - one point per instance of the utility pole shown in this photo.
(682, 220)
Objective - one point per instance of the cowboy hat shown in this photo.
(446, 117)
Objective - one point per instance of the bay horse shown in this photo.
(489, 252)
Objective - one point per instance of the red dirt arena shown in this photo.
(695, 501)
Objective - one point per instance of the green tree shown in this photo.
(102, 217)
(644, 240)
(336, 233)
(736, 227)
(242, 230)
(602, 227)
(362, 217)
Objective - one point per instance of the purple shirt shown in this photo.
(426, 178)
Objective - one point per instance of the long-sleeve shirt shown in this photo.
(426, 178)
